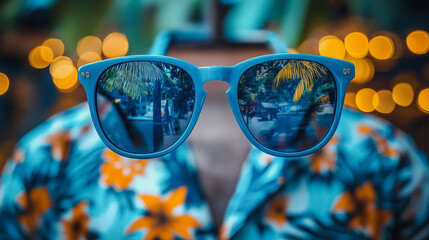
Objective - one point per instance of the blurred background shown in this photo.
(43, 43)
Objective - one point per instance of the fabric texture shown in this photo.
(369, 182)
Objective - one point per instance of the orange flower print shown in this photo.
(277, 210)
(365, 215)
(325, 160)
(381, 142)
(77, 227)
(118, 171)
(161, 223)
(35, 205)
(60, 145)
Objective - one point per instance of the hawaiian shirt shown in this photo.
(61, 182)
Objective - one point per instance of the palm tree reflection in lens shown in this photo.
(304, 71)
(287, 105)
(149, 110)
(124, 79)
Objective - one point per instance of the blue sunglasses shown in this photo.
(287, 105)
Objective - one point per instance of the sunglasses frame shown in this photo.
(342, 71)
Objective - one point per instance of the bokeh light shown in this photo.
(40, 57)
(58, 65)
(403, 94)
(364, 69)
(383, 101)
(418, 42)
(88, 57)
(356, 44)
(115, 45)
(69, 82)
(4, 83)
(89, 44)
(56, 45)
(381, 47)
(64, 74)
(350, 100)
(423, 100)
(332, 46)
(364, 99)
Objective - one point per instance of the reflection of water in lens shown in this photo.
(153, 101)
(287, 105)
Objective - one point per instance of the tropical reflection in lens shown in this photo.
(287, 105)
(144, 107)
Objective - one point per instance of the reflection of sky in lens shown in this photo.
(287, 105)
(152, 100)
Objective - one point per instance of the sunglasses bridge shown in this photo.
(214, 73)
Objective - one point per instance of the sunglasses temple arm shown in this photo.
(161, 43)
(165, 39)
(274, 42)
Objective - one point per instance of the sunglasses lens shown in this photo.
(287, 105)
(144, 107)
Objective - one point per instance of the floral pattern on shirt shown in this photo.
(77, 226)
(161, 222)
(118, 171)
(361, 204)
(369, 182)
(35, 205)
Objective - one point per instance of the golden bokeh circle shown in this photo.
(418, 42)
(403, 94)
(61, 67)
(115, 45)
(40, 57)
(4, 83)
(56, 45)
(69, 82)
(356, 44)
(423, 100)
(383, 102)
(332, 46)
(381, 47)
(89, 44)
(364, 99)
(364, 69)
